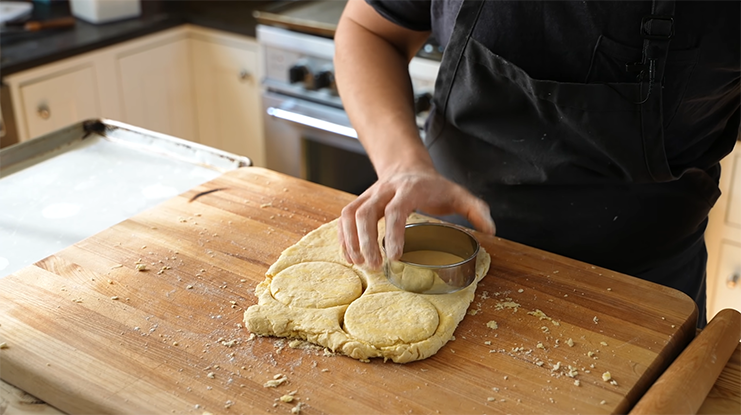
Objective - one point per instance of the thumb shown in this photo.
(476, 211)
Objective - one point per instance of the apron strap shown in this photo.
(468, 14)
(657, 30)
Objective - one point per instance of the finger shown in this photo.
(350, 233)
(341, 240)
(476, 211)
(396, 214)
(367, 218)
(368, 239)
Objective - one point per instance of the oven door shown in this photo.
(314, 142)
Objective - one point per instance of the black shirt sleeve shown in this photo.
(410, 14)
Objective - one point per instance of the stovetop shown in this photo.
(320, 18)
(311, 17)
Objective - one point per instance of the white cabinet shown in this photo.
(227, 91)
(145, 82)
(723, 238)
(48, 98)
(156, 88)
(60, 100)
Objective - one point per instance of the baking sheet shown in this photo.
(61, 188)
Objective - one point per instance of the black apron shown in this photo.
(571, 168)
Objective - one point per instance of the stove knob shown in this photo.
(324, 79)
(422, 102)
(298, 73)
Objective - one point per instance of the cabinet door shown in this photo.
(58, 101)
(156, 89)
(227, 98)
(723, 238)
(727, 288)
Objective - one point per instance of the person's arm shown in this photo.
(371, 68)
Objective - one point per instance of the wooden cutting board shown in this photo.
(89, 333)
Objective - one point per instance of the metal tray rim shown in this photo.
(19, 156)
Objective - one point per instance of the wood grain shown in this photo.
(685, 384)
(725, 396)
(88, 333)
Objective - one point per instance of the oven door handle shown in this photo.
(313, 122)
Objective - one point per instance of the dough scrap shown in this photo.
(379, 321)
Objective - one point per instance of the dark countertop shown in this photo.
(21, 51)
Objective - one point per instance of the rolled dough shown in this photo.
(426, 257)
(417, 279)
(312, 293)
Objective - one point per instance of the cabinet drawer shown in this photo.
(58, 101)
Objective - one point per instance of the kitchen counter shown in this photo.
(21, 51)
(158, 327)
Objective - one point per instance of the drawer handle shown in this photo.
(732, 280)
(244, 75)
(44, 112)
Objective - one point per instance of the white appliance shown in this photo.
(14, 10)
(307, 132)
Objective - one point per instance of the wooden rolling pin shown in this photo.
(685, 384)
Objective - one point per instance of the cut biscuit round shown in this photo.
(385, 319)
(316, 285)
(417, 279)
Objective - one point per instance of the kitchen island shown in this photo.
(89, 332)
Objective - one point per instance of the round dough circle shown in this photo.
(316, 285)
(389, 318)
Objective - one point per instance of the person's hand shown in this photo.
(395, 196)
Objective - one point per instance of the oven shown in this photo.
(307, 132)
